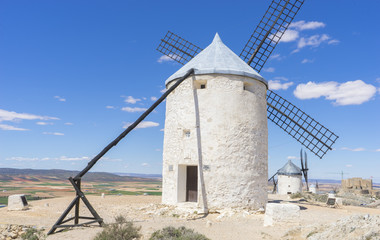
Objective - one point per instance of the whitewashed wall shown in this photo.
(231, 144)
(292, 184)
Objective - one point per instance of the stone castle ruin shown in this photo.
(357, 185)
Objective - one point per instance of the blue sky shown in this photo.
(74, 73)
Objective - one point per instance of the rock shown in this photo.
(261, 210)
(245, 213)
(281, 213)
(13, 235)
(17, 202)
(208, 224)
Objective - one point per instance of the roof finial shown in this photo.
(217, 38)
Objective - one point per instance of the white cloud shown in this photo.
(135, 109)
(22, 159)
(69, 123)
(307, 61)
(145, 164)
(348, 93)
(294, 29)
(313, 41)
(62, 158)
(153, 98)
(61, 99)
(144, 124)
(44, 123)
(168, 58)
(348, 165)
(164, 58)
(377, 150)
(293, 33)
(276, 57)
(162, 130)
(269, 69)
(292, 158)
(163, 90)
(132, 100)
(11, 128)
(277, 85)
(110, 107)
(333, 42)
(289, 36)
(353, 149)
(13, 116)
(54, 133)
(302, 25)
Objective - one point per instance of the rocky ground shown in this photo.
(317, 221)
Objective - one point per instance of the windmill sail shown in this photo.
(310, 133)
(178, 48)
(268, 33)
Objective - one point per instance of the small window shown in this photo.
(248, 86)
(170, 168)
(200, 84)
(187, 133)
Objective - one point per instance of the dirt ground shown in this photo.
(147, 212)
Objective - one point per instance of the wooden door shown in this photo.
(191, 184)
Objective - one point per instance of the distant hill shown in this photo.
(312, 181)
(143, 175)
(8, 174)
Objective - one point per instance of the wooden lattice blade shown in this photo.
(310, 133)
(268, 33)
(178, 48)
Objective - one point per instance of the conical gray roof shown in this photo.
(217, 58)
(289, 169)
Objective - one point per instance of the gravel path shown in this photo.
(147, 212)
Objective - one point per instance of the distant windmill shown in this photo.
(304, 168)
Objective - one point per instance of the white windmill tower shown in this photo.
(216, 137)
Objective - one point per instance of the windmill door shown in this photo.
(191, 183)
